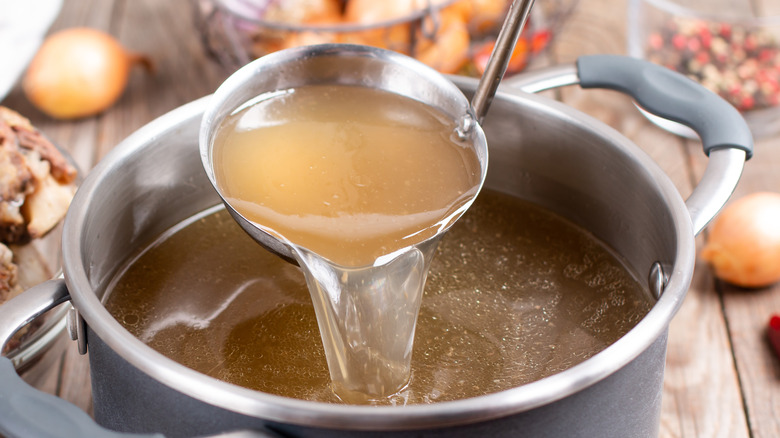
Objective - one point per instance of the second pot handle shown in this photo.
(726, 137)
(672, 96)
(24, 410)
(28, 412)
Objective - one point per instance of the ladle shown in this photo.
(367, 314)
(496, 67)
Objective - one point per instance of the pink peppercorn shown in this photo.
(740, 64)
(679, 42)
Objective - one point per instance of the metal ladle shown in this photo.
(364, 66)
(366, 314)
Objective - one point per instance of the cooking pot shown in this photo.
(540, 150)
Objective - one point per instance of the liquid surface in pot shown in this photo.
(353, 178)
(514, 294)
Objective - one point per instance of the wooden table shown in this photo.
(722, 379)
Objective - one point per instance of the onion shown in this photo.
(78, 72)
(743, 246)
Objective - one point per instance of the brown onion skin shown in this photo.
(743, 244)
(78, 72)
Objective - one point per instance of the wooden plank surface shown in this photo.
(699, 359)
(748, 312)
(722, 379)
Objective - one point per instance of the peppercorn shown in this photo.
(740, 64)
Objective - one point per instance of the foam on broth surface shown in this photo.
(514, 294)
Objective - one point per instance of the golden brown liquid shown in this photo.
(350, 173)
(356, 180)
(514, 294)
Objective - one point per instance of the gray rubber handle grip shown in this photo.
(27, 412)
(670, 95)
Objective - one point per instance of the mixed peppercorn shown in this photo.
(741, 64)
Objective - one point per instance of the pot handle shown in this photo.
(725, 136)
(25, 411)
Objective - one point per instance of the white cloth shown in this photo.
(23, 25)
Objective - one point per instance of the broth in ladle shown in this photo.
(349, 173)
(514, 294)
(359, 182)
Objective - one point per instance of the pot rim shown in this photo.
(282, 409)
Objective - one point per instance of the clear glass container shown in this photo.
(731, 47)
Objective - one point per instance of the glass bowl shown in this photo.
(452, 36)
(730, 47)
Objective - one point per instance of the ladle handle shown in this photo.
(726, 137)
(499, 58)
(26, 412)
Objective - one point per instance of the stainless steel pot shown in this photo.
(540, 150)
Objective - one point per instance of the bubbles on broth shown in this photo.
(514, 294)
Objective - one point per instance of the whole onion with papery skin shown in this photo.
(78, 72)
(743, 246)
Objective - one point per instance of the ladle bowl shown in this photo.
(366, 314)
(333, 64)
